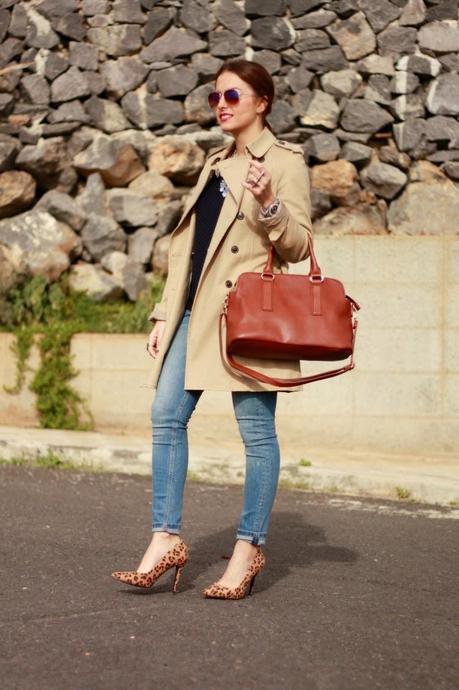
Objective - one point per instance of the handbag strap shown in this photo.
(257, 375)
(314, 269)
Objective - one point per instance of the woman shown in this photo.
(251, 193)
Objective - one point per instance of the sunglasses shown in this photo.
(231, 96)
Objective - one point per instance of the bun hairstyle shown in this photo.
(257, 76)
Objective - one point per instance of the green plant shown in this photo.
(402, 493)
(304, 463)
(51, 460)
(49, 315)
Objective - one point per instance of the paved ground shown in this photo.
(217, 455)
(356, 594)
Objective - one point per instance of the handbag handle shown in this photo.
(257, 375)
(314, 269)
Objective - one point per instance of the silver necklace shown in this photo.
(223, 188)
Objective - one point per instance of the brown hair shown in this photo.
(257, 76)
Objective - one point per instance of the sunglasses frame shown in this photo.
(223, 93)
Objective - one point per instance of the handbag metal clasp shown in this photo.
(267, 276)
(316, 279)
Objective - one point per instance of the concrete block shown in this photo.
(397, 306)
(404, 260)
(452, 395)
(407, 435)
(393, 394)
(112, 351)
(452, 306)
(396, 349)
(451, 350)
(335, 256)
(452, 260)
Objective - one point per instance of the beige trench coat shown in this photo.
(240, 243)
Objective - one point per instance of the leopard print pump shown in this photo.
(177, 555)
(216, 591)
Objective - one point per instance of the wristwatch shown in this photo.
(272, 209)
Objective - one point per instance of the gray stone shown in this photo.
(274, 33)
(128, 11)
(441, 128)
(379, 14)
(409, 106)
(35, 88)
(134, 280)
(131, 209)
(451, 168)
(343, 8)
(323, 147)
(426, 208)
(146, 110)
(116, 40)
(342, 83)
(223, 43)
(354, 36)
(378, 89)
(123, 75)
(301, 100)
(38, 243)
(140, 245)
(376, 64)
(322, 111)
(159, 261)
(102, 234)
(269, 59)
(168, 218)
(72, 25)
(57, 8)
(45, 160)
(4, 23)
(176, 81)
(106, 115)
(449, 61)
(9, 147)
(83, 55)
(117, 162)
(299, 78)
(39, 31)
(314, 20)
(413, 14)
(207, 65)
(356, 153)
(397, 40)
(92, 279)
(390, 154)
(96, 82)
(320, 203)
(64, 208)
(10, 49)
(231, 16)
(440, 37)
(443, 156)
(298, 7)
(54, 65)
(444, 9)
(338, 179)
(382, 179)
(197, 105)
(364, 116)
(159, 20)
(70, 85)
(404, 82)
(324, 60)
(177, 157)
(260, 8)
(92, 198)
(92, 7)
(420, 64)
(311, 39)
(197, 17)
(409, 134)
(282, 117)
(17, 192)
(443, 95)
(176, 42)
(18, 23)
(72, 111)
(6, 103)
(362, 219)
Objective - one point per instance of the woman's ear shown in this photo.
(263, 103)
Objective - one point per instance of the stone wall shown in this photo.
(105, 125)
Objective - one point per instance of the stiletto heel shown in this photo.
(176, 556)
(216, 591)
(178, 572)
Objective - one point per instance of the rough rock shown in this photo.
(323, 147)
(440, 37)
(64, 208)
(176, 81)
(354, 36)
(390, 154)
(117, 163)
(177, 159)
(45, 161)
(322, 111)
(116, 40)
(196, 17)
(420, 64)
(404, 82)
(409, 106)
(341, 83)
(324, 60)
(153, 185)
(379, 14)
(377, 64)
(338, 179)
(140, 244)
(397, 40)
(414, 13)
(94, 281)
(356, 153)
(441, 128)
(273, 33)
(39, 244)
(231, 16)
(123, 75)
(176, 42)
(320, 203)
(299, 78)
(364, 116)
(17, 192)
(382, 179)
(159, 261)
(102, 234)
(363, 219)
(106, 115)
(147, 110)
(426, 208)
(443, 95)
(197, 106)
(131, 209)
(70, 85)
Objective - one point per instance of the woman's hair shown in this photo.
(257, 76)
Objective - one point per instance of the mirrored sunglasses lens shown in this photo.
(213, 98)
(232, 96)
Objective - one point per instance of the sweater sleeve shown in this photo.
(290, 227)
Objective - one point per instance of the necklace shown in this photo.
(223, 189)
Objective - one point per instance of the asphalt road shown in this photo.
(355, 595)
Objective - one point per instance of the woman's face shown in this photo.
(235, 118)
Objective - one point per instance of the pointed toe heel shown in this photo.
(216, 591)
(176, 557)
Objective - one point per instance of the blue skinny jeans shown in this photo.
(170, 412)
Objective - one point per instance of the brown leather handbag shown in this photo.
(288, 317)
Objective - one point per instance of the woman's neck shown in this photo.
(244, 138)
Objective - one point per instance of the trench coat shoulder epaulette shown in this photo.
(213, 152)
(290, 146)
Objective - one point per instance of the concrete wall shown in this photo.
(403, 395)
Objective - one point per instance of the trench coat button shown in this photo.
(228, 283)
(240, 216)
(235, 249)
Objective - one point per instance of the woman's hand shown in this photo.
(154, 339)
(259, 183)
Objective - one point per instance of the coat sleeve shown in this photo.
(288, 230)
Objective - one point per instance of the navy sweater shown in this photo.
(208, 207)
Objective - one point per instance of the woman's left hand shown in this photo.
(259, 183)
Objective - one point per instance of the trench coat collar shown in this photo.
(257, 147)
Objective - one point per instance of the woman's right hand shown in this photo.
(154, 339)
